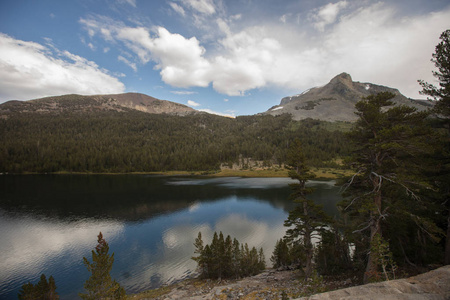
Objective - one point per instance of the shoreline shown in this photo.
(430, 282)
(270, 284)
(321, 173)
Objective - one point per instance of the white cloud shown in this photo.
(180, 60)
(130, 2)
(388, 50)
(31, 70)
(284, 17)
(203, 6)
(372, 43)
(249, 57)
(193, 103)
(327, 14)
(183, 92)
(127, 62)
(236, 17)
(209, 111)
(177, 8)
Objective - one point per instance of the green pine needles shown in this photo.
(227, 258)
(100, 285)
(307, 219)
(43, 290)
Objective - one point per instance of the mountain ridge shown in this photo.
(332, 102)
(340, 95)
(95, 103)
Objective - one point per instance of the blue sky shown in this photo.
(231, 57)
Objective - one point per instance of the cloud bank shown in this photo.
(372, 43)
(31, 70)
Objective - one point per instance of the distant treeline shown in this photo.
(141, 142)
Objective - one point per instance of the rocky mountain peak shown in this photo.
(343, 78)
(336, 100)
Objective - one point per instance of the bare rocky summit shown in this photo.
(84, 104)
(336, 100)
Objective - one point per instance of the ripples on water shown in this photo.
(150, 224)
(33, 243)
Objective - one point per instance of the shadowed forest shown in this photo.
(139, 142)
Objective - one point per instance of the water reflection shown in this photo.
(48, 223)
(30, 245)
(127, 197)
(249, 221)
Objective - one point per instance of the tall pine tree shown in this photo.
(441, 94)
(100, 285)
(389, 142)
(308, 218)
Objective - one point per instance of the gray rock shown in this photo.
(431, 285)
(336, 100)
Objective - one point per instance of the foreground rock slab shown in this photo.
(431, 285)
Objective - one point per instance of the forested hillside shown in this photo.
(133, 141)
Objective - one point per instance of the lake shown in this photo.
(48, 223)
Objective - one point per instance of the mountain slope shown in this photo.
(336, 100)
(84, 104)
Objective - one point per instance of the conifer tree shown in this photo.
(226, 258)
(43, 290)
(198, 244)
(281, 256)
(199, 249)
(208, 260)
(100, 285)
(254, 261)
(261, 260)
(333, 253)
(388, 144)
(441, 59)
(308, 218)
(52, 289)
(236, 258)
(28, 292)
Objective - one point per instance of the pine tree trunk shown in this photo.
(309, 254)
(447, 242)
(371, 268)
(308, 245)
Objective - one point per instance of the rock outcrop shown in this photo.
(431, 285)
(271, 284)
(336, 100)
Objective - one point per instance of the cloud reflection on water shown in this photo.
(30, 244)
(153, 231)
(173, 260)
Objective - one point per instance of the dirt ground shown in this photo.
(271, 284)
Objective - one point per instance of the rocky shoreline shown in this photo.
(272, 284)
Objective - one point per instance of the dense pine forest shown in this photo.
(134, 141)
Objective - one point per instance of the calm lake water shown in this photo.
(49, 222)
